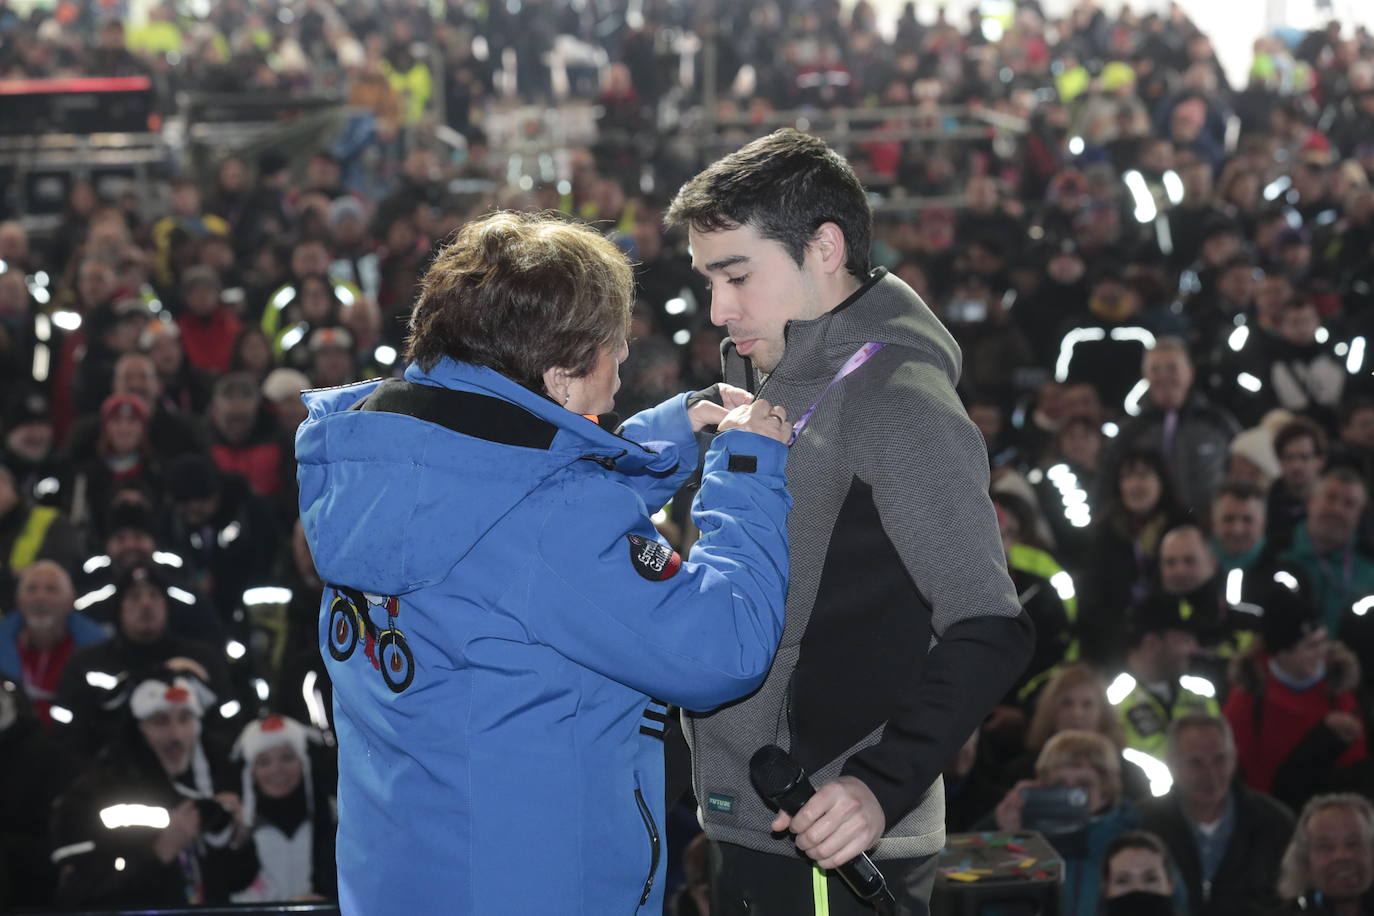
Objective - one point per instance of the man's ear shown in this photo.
(829, 245)
(556, 384)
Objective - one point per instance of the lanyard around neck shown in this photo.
(860, 357)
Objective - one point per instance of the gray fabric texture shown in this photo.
(897, 425)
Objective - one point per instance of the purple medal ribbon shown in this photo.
(858, 359)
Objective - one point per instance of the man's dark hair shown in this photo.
(1300, 428)
(784, 185)
(1345, 475)
(1242, 490)
(1135, 839)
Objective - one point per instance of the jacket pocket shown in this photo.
(655, 844)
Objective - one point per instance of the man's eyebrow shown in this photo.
(724, 263)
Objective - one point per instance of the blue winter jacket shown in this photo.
(85, 632)
(499, 612)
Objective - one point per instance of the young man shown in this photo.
(903, 628)
(1162, 638)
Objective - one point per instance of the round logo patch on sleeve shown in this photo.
(652, 559)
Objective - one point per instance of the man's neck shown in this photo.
(1324, 542)
(839, 290)
(42, 640)
(1144, 669)
(1205, 812)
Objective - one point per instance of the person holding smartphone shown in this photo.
(1075, 800)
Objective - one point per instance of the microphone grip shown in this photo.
(783, 783)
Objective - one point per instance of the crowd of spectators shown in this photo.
(1162, 284)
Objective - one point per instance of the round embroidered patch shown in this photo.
(653, 560)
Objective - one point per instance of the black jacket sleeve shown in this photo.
(927, 466)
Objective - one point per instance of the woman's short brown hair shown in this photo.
(522, 293)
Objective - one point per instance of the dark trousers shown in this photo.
(745, 882)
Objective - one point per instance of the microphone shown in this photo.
(783, 783)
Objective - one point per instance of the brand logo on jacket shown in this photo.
(652, 559)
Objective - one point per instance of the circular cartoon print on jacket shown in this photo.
(343, 627)
(398, 664)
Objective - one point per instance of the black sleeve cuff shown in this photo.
(965, 676)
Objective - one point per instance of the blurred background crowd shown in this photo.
(1162, 280)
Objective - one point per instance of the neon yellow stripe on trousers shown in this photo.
(820, 891)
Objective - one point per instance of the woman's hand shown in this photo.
(759, 417)
(1008, 812)
(706, 413)
(231, 803)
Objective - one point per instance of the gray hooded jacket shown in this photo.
(903, 628)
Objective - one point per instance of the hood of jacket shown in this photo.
(883, 310)
(1251, 669)
(390, 503)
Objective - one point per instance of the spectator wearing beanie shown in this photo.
(1292, 705)
(282, 391)
(331, 357)
(208, 327)
(171, 431)
(1155, 687)
(162, 757)
(28, 533)
(142, 640)
(219, 527)
(28, 449)
(289, 809)
(1253, 459)
(247, 441)
(123, 458)
(129, 542)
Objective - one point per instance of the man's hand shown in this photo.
(840, 821)
(182, 829)
(759, 417)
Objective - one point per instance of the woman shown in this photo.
(289, 812)
(1294, 706)
(1068, 489)
(253, 353)
(1076, 698)
(498, 609)
(318, 307)
(123, 458)
(1141, 507)
(1138, 876)
(1084, 761)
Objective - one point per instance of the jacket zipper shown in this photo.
(654, 845)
